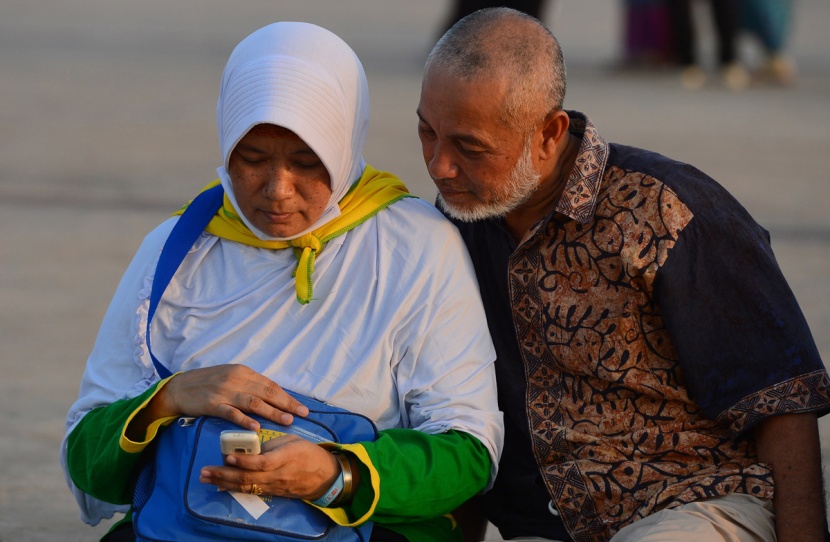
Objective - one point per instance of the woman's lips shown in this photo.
(277, 217)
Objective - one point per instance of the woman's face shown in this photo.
(280, 184)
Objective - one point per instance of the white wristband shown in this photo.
(332, 493)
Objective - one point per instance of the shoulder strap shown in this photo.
(190, 226)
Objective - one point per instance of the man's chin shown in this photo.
(473, 214)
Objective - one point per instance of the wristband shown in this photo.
(332, 493)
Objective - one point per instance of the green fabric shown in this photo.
(440, 529)
(95, 460)
(422, 476)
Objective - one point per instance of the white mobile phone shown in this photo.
(239, 442)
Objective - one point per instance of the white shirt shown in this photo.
(395, 331)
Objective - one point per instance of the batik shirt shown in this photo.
(643, 328)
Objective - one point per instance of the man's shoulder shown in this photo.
(655, 164)
(651, 170)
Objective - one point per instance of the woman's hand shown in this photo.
(288, 466)
(224, 391)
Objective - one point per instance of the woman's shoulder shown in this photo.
(153, 242)
(413, 230)
(416, 224)
(158, 235)
(415, 216)
(145, 258)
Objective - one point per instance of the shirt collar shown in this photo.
(579, 199)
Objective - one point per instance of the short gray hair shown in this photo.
(506, 43)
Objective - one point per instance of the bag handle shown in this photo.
(190, 226)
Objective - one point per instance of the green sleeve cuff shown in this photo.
(408, 477)
(369, 479)
(130, 446)
(100, 459)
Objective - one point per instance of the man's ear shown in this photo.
(554, 128)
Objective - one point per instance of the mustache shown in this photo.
(447, 184)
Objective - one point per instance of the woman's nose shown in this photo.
(279, 185)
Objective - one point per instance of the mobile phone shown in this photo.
(239, 442)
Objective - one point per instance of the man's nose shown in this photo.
(441, 164)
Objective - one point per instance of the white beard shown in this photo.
(519, 186)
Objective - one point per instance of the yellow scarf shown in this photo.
(373, 192)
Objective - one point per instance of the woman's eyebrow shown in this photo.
(250, 148)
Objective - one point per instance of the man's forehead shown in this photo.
(453, 75)
(443, 84)
(451, 99)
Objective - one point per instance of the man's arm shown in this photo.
(789, 443)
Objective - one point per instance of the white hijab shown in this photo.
(304, 78)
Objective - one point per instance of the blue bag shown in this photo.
(169, 502)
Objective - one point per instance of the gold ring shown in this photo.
(255, 490)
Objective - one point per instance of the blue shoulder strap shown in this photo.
(190, 226)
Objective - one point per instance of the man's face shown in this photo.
(482, 167)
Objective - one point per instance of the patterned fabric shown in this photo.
(580, 195)
(616, 427)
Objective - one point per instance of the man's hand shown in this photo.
(789, 443)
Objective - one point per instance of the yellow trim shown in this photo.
(132, 447)
(338, 515)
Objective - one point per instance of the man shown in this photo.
(658, 379)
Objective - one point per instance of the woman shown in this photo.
(318, 275)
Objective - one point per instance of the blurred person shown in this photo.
(462, 8)
(393, 328)
(725, 15)
(769, 21)
(647, 34)
(657, 377)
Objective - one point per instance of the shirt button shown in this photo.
(553, 510)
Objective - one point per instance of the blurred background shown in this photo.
(107, 116)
